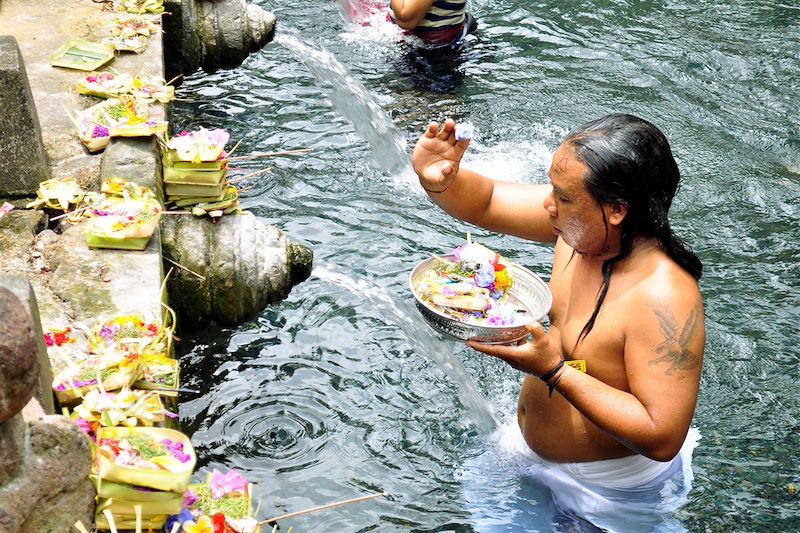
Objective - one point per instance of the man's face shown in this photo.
(574, 214)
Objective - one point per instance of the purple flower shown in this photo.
(75, 384)
(218, 137)
(189, 498)
(485, 275)
(178, 519)
(100, 131)
(176, 449)
(84, 425)
(108, 333)
(222, 484)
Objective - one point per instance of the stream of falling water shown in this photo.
(422, 338)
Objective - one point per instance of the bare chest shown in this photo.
(575, 296)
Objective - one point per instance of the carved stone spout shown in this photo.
(213, 34)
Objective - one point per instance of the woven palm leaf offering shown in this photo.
(141, 7)
(195, 166)
(122, 116)
(111, 370)
(474, 293)
(63, 194)
(123, 222)
(110, 355)
(157, 458)
(131, 33)
(82, 55)
(130, 333)
(223, 502)
(128, 42)
(159, 371)
(153, 343)
(65, 346)
(199, 149)
(152, 89)
(135, 25)
(126, 407)
(105, 84)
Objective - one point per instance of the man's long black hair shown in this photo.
(630, 163)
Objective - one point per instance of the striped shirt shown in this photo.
(443, 23)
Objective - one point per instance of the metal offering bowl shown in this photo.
(528, 292)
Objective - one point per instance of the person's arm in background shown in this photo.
(504, 207)
(409, 13)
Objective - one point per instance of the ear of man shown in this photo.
(615, 212)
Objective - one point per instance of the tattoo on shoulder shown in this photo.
(675, 348)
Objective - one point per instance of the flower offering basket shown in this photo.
(159, 371)
(125, 224)
(128, 523)
(196, 159)
(152, 90)
(171, 159)
(105, 84)
(122, 116)
(120, 507)
(112, 371)
(158, 469)
(529, 294)
(125, 407)
(132, 493)
(226, 494)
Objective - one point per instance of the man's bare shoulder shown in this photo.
(669, 323)
(669, 284)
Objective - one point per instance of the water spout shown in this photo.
(424, 341)
(355, 103)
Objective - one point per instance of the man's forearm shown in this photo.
(619, 414)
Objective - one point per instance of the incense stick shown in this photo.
(256, 173)
(235, 146)
(76, 211)
(271, 154)
(184, 268)
(323, 507)
(443, 260)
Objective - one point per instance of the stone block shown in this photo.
(22, 289)
(23, 160)
(19, 364)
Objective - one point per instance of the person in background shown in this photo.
(435, 22)
(611, 440)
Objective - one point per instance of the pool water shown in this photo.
(342, 390)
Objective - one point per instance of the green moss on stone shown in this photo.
(88, 300)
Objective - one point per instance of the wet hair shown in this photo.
(630, 163)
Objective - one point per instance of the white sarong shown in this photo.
(627, 495)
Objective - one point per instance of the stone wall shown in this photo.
(44, 459)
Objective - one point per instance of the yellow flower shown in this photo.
(203, 525)
(502, 281)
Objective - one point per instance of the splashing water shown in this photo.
(423, 340)
(355, 103)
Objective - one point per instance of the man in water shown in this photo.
(435, 22)
(611, 441)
